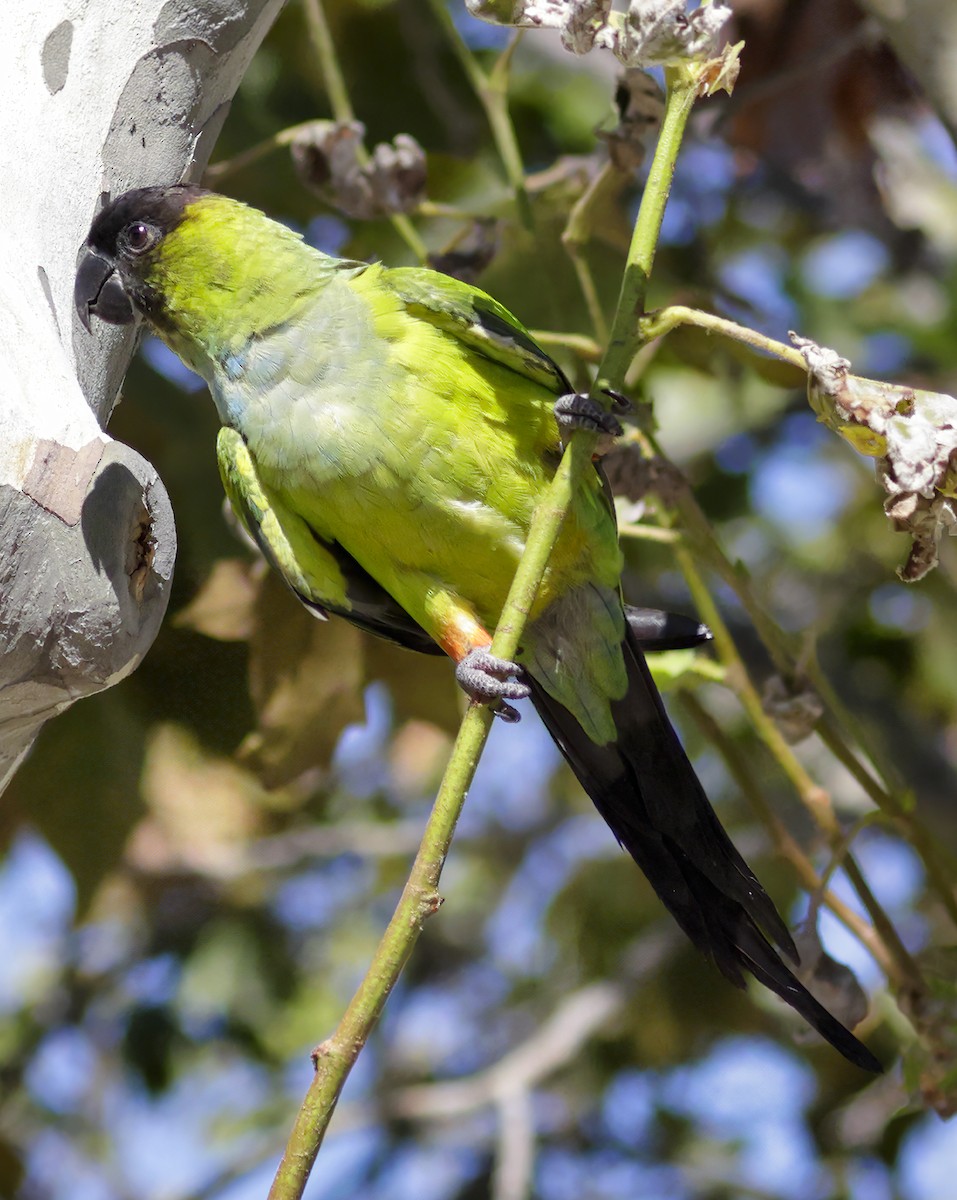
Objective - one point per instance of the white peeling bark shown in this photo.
(96, 96)
(924, 36)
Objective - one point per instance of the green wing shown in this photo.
(323, 575)
(476, 319)
(479, 321)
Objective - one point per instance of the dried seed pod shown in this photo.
(329, 160)
(641, 104)
(912, 434)
(650, 33)
(470, 252)
(795, 712)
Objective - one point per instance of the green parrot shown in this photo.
(386, 436)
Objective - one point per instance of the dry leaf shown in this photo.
(422, 687)
(329, 162)
(641, 104)
(305, 680)
(201, 805)
(224, 607)
(796, 713)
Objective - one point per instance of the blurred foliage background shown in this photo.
(198, 862)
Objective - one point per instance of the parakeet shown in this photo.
(386, 436)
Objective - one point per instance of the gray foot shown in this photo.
(577, 411)
(488, 680)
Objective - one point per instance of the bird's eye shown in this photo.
(139, 236)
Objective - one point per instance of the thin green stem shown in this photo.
(503, 131)
(657, 324)
(783, 648)
(585, 347)
(911, 972)
(815, 798)
(332, 78)
(892, 805)
(578, 232)
(470, 67)
(343, 111)
(336, 1056)
(882, 786)
(895, 795)
(626, 335)
(407, 231)
(651, 533)
(451, 212)
(889, 797)
(492, 92)
(784, 843)
(586, 283)
(218, 171)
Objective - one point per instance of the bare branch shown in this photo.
(575, 1020)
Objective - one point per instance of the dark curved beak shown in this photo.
(99, 291)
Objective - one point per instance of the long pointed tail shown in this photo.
(647, 791)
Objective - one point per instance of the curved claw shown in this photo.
(577, 411)
(619, 401)
(486, 679)
(506, 712)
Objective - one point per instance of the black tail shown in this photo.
(646, 790)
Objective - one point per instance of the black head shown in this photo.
(110, 281)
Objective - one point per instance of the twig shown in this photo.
(883, 787)
(888, 796)
(440, 210)
(492, 92)
(664, 320)
(343, 111)
(898, 808)
(585, 347)
(814, 797)
(661, 534)
(549, 1048)
(335, 1057)
(553, 1044)
(784, 843)
(332, 77)
(626, 334)
(218, 171)
(515, 1153)
(508, 1085)
(782, 647)
(371, 839)
(576, 235)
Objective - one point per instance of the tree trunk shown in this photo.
(94, 99)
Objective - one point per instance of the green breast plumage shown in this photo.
(392, 437)
(408, 420)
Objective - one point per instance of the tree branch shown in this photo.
(335, 1057)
